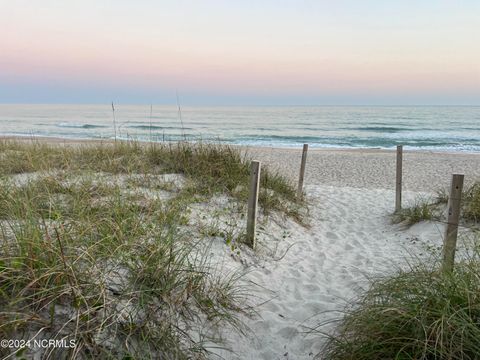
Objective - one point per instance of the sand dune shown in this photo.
(300, 276)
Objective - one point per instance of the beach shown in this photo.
(351, 238)
(288, 180)
(301, 275)
(372, 168)
(359, 168)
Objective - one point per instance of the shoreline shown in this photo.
(298, 277)
(426, 172)
(60, 140)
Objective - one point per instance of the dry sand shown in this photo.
(351, 237)
(371, 168)
(314, 271)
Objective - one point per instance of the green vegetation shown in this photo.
(471, 203)
(424, 210)
(420, 313)
(96, 245)
(420, 211)
(212, 168)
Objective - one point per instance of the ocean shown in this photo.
(435, 128)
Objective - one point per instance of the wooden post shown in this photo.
(302, 172)
(398, 186)
(252, 202)
(450, 239)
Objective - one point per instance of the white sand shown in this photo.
(299, 275)
(351, 237)
(373, 169)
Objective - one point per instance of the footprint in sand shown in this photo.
(312, 287)
(288, 332)
(295, 273)
(331, 235)
(261, 325)
(357, 243)
(271, 306)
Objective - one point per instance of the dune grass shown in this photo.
(471, 203)
(213, 168)
(419, 313)
(94, 246)
(423, 210)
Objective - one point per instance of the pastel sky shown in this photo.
(240, 52)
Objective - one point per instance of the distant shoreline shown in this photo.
(55, 140)
(358, 168)
(425, 129)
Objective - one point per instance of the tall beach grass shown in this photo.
(424, 210)
(417, 313)
(95, 247)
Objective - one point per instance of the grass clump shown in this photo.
(213, 168)
(471, 203)
(95, 246)
(117, 277)
(420, 313)
(424, 210)
(421, 211)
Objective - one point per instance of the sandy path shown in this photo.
(351, 237)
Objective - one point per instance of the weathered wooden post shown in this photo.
(302, 172)
(398, 186)
(252, 202)
(450, 239)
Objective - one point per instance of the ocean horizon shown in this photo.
(428, 128)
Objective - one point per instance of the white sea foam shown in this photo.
(423, 128)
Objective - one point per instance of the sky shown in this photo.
(263, 52)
